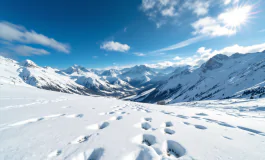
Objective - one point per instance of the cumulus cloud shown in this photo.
(200, 8)
(203, 54)
(177, 58)
(159, 11)
(169, 12)
(15, 33)
(139, 54)
(240, 49)
(164, 11)
(115, 46)
(225, 24)
(211, 27)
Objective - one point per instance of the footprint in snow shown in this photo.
(98, 126)
(227, 138)
(168, 131)
(54, 153)
(200, 127)
(80, 139)
(173, 149)
(143, 125)
(146, 139)
(74, 116)
(187, 123)
(148, 119)
(91, 154)
(116, 118)
(201, 114)
(167, 124)
(182, 116)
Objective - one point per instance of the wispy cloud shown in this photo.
(115, 46)
(139, 54)
(15, 33)
(180, 44)
(28, 51)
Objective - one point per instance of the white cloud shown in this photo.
(27, 50)
(139, 54)
(240, 49)
(200, 8)
(180, 44)
(169, 12)
(263, 30)
(225, 24)
(211, 27)
(11, 32)
(115, 46)
(160, 11)
(204, 54)
(226, 2)
(177, 58)
(148, 4)
(95, 57)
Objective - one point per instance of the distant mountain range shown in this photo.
(221, 77)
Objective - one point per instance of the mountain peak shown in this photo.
(28, 63)
(214, 62)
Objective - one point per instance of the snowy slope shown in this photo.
(221, 77)
(45, 78)
(41, 124)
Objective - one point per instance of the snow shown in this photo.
(41, 124)
(221, 77)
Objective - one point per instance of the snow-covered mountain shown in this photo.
(138, 75)
(221, 77)
(45, 78)
(75, 79)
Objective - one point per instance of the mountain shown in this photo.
(221, 77)
(46, 78)
(75, 79)
(138, 75)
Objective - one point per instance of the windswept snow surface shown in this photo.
(39, 124)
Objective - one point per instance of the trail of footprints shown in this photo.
(148, 146)
(95, 154)
(169, 148)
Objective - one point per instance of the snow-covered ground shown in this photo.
(39, 124)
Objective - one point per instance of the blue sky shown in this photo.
(100, 34)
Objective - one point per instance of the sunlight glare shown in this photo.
(237, 16)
